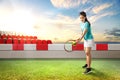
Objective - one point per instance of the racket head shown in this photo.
(68, 45)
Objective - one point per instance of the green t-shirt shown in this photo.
(87, 26)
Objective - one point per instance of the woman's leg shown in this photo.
(85, 66)
(85, 53)
(88, 56)
(88, 60)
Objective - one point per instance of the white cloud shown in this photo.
(97, 9)
(87, 9)
(59, 29)
(84, 1)
(99, 37)
(98, 16)
(67, 3)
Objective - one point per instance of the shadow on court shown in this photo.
(100, 74)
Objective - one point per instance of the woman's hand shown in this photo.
(78, 40)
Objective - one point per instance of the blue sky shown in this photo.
(57, 18)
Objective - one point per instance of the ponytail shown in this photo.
(86, 20)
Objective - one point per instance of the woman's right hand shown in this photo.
(77, 41)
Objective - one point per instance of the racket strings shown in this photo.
(68, 45)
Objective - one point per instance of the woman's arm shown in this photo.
(82, 35)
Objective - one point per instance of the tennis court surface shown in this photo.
(58, 69)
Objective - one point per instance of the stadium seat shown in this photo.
(42, 45)
(3, 36)
(28, 41)
(14, 37)
(34, 41)
(22, 37)
(35, 37)
(15, 41)
(26, 37)
(49, 42)
(2, 41)
(18, 36)
(44, 42)
(31, 37)
(9, 41)
(22, 41)
(9, 37)
(39, 41)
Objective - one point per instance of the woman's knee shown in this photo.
(88, 50)
(87, 53)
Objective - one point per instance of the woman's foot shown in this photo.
(87, 71)
(85, 66)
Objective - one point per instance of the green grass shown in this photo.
(103, 69)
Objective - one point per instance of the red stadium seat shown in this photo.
(2, 41)
(44, 42)
(9, 41)
(22, 41)
(18, 37)
(9, 37)
(35, 37)
(28, 41)
(14, 36)
(15, 41)
(26, 37)
(22, 37)
(41, 46)
(31, 37)
(49, 42)
(39, 41)
(3, 36)
(34, 41)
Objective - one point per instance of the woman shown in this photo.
(88, 40)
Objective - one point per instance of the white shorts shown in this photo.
(89, 43)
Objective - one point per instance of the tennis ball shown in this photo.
(73, 43)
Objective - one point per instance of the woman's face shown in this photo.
(82, 18)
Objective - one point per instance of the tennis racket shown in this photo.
(68, 45)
